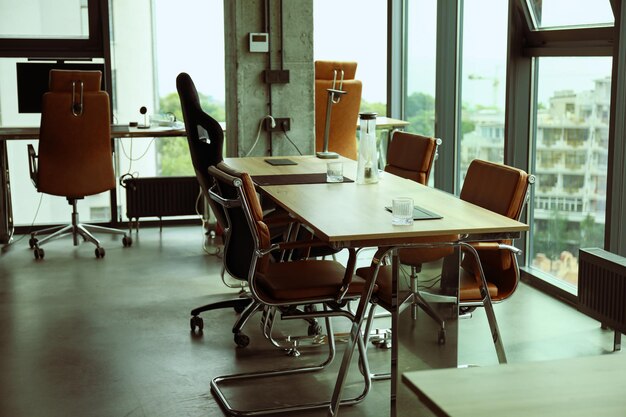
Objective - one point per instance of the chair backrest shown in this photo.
(74, 155)
(244, 217)
(502, 189)
(205, 138)
(411, 156)
(345, 113)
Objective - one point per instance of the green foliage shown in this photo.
(173, 153)
(550, 239)
(378, 108)
(420, 113)
(558, 235)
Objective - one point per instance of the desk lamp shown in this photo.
(334, 96)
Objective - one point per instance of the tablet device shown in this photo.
(280, 161)
(421, 214)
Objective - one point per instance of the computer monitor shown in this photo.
(33, 79)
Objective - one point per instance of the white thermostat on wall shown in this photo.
(259, 42)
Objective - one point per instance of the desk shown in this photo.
(26, 133)
(580, 387)
(353, 215)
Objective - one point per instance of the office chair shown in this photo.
(75, 158)
(489, 272)
(344, 112)
(283, 285)
(205, 138)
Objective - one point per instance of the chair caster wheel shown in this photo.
(32, 242)
(314, 329)
(241, 340)
(441, 339)
(100, 252)
(39, 253)
(196, 322)
(127, 241)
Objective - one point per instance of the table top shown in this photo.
(589, 386)
(351, 214)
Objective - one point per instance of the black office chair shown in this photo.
(283, 286)
(206, 139)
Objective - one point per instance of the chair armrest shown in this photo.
(32, 164)
(494, 246)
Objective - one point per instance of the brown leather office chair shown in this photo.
(345, 110)
(74, 158)
(411, 156)
(489, 270)
(282, 285)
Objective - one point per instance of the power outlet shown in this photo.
(283, 124)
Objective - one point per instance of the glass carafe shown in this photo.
(367, 168)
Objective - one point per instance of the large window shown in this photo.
(564, 13)
(44, 19)
(355, 30)
(571, 148)
(483, 78)
(421, 36)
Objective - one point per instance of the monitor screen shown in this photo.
(33, 79)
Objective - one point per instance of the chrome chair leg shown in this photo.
(327, 315)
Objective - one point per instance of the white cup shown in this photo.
(334, 171)
(402, 211)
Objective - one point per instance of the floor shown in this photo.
(110, 337)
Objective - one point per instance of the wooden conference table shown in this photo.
(351, 215)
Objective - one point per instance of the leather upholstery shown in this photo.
(345, 114)
(468, 290)
(411, 156)
(281, 282)
(75, 158)
(502, 189)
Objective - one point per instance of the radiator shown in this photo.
(602, 289)
(160, 197)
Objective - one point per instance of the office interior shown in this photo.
(538, 85)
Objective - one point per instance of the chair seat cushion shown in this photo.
(470, 289)
(468, 286)
(305, 280)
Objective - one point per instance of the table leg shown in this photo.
(427, 340)
(355, 332)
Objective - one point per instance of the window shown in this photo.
(150, 49)
(570, 163)
(483, 81)
(419, 103)
(563, 13)
(355, 30)
(43, 19)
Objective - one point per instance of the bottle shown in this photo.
(367, 166)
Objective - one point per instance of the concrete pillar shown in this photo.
(248, 97)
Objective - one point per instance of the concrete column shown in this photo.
(248, 97)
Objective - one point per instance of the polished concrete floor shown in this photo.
(82, 336)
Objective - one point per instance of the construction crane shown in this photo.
(495, 84)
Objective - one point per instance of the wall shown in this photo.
(248, 97)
